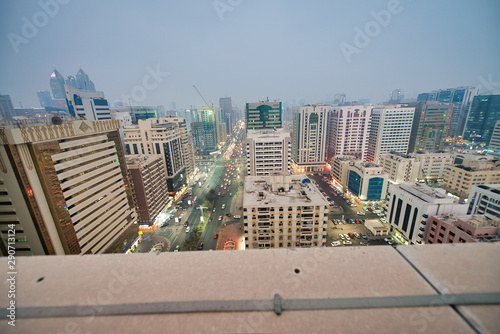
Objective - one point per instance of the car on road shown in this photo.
(186, 224)
(216, 236)
(220, 218)
(390, 242)
(200, 246)
(188, 229)
(223, 206)
(388, 239)
(213, 210)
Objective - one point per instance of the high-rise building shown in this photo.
(483, 115)
(64, 186)
(348, 130)
(6, 108)
(461, 98)
(226, 113)
(207, 133)
(309, 136)
(71, 81)
(57, 85)
(390, 130)
(458, 179)
(397, 95)
(484, 200)
(430, 126)
(268, 152)
(411, 206)
(138, 112)
(90, 105)
(147, 173)
(83, 81)
(283, 211)
(263, 115)
(494, 146)
(186, 142)
(44, 98)
(162, 137)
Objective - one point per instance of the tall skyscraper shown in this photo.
(461, 98)
(430, 126)
(226, 113)
(83, 81)
(268, 152)
(397, 95)
(348, 131)
(162, 137)
(309, 136)
(206, 130)
(263, 115)
(494, 146)
(44, 98)
(71, 81)
(57, 85)
(90, 105)
(6, 108)
(483, 114)
(64, 186)
(339, 99)
(390, 130)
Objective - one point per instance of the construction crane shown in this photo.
(202, 96)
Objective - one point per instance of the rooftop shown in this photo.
(140, 159)
(426, 192)
(281, 190)
(409, 289)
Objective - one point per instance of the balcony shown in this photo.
(128, 293)
(423, 222)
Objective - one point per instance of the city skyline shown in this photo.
(315, 50)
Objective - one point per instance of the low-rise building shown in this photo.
(366, 182)
(458, 179)
(461, 229)
(484, 199)
(410, 206)
(338, 170)
(400, 167)
(283, 211)
(376, 227)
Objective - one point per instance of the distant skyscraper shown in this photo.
(390, 130)
(348, 131)
(263, 115)
(71, 81)
(397, 95)
(6, 108)
(57, 85)
(461, 97)
(87, 104)
(309, 136)
(494, 147)
(66, 185)
(483, 114)
(430, 126)
(83, 81)
(339, 99)
(44, 98)
(226, 113)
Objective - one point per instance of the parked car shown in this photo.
(336, 243)
(188, 229)
(361, 213)
(347, 242)
(200, 246)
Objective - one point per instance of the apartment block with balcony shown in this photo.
(268, 152)
(339, 170)
(432, 164)
(64, 186)
(150, 185)
(459, 179)
(283, 211)
(451, 229)
(400, 167)
(410, 207)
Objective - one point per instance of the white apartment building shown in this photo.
(309, 137)
(283, 211)
(64, 186)
(348, 131)
(390, 130)
(150, 185)
(162, 137)
(90, 105)
(484, 199)
(416, 166)
(268, 152)
(411, 206)
(339, 170)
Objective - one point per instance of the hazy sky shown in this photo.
(249, 49)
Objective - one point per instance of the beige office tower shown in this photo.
(64, 186)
